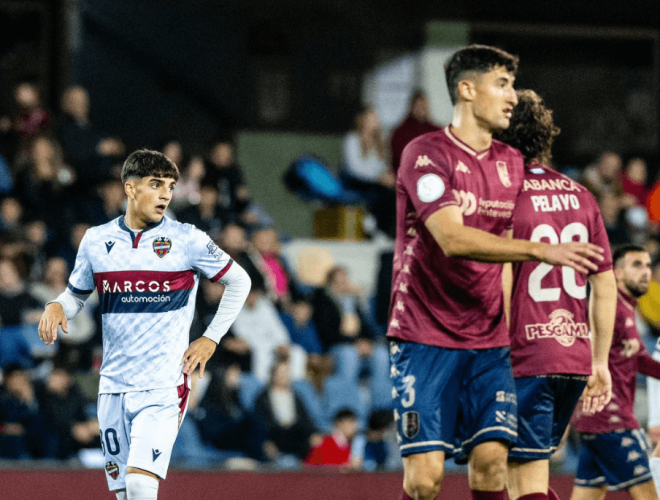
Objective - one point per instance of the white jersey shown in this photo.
(147, 284)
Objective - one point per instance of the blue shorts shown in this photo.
(451, 400)
(617, 459)
(545, 406)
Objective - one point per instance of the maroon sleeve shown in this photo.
(648, 366)
(427, 178)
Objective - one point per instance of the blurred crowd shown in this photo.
(303, 375)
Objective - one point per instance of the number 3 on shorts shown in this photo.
(110, 441)
(408, 398)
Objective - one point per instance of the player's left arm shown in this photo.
(207, 258)
(646, 365)
(602, 313)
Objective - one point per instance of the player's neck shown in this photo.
(134, 222)
(466, 128)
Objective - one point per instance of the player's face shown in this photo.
(152, 196)
(635, 274)
(494, 98)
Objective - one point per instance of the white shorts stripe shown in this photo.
(426, 443)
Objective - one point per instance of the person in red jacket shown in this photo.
(614, 453)
(336, 447)
(417, 122)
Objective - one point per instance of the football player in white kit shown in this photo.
(146, 269)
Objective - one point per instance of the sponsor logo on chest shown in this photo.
(561, 327)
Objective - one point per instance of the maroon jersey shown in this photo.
(627, 357)
(439, 300)
(549, 325)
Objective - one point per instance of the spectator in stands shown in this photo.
(192, 173)
(347, 337)
(341, 325)
(222, 170)
(224, 421)
(35, 249)
(267, 258)
(301, 327)
(610, 209)
(336, 447)
(605, 175)
(11, 215)
(6, 177)
(64, 407)
(17, 305)
(108, 204)
(207, 215)
(234, 242)
(291, 430)
(43, 184)
(87, 150)
(366, 171)
(69, 248)
(376, 448)
(29, 118)
(75, 347)
(417, 122)
(23, 430)
(634, 182)
(260, 326)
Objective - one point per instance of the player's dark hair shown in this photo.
(146, 163)
(344, 414)
(477, 59)
(621, 251)
(532, 129)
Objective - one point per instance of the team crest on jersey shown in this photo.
(561, 327)
(503, 172)
(162, 246)
(410, 424)
(112, 469)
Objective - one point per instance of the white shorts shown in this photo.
(138, 429)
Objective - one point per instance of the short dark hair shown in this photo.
(478, 59)
(532, 129)
(145, 163)
(344, 414)
(9, 370)
(621, 251)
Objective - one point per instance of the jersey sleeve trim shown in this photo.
(78, 290)
(222, 272)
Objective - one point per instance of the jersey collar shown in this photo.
(628, 300)
(123, 225)
(479, 155)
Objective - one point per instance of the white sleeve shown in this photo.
(72, 303)
(237, 286)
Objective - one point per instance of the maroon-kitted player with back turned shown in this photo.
(450, 364)
(549, 324)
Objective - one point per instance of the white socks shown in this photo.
(654, 463)
(141, 487)
(121, 494)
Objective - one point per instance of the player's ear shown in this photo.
(129, 189)
(466, 89)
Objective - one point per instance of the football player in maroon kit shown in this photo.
(614, 454)
(549, 324)
(456, 190)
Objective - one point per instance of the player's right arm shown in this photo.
(71, 301)
(602, 313)
(458, 240)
